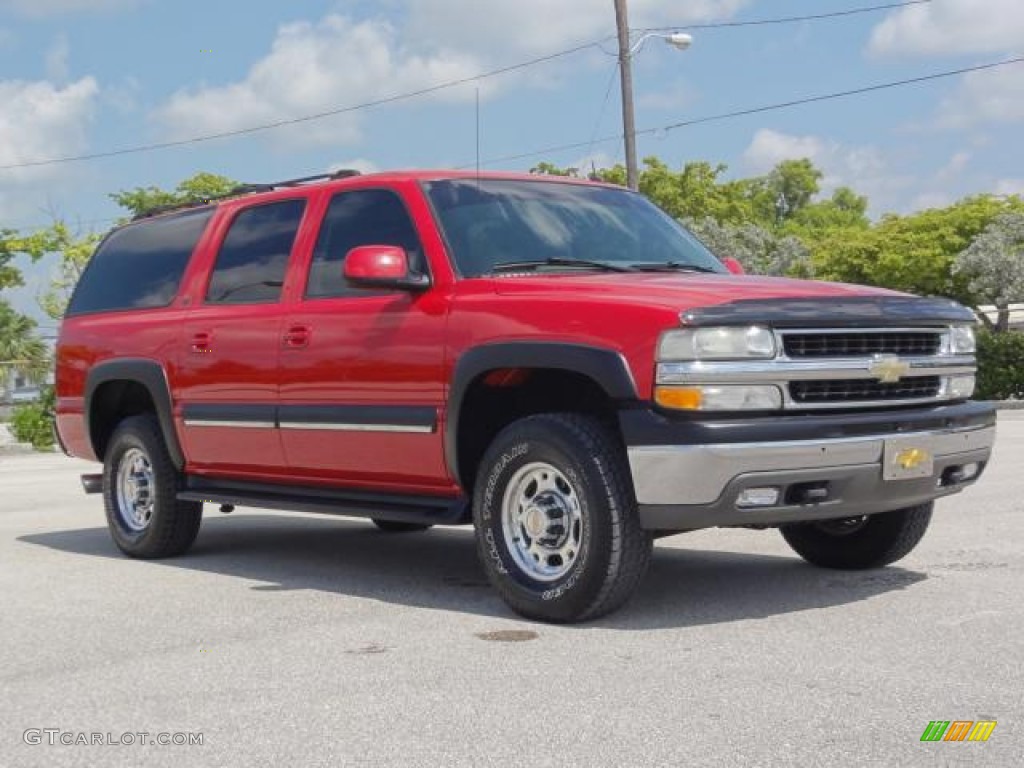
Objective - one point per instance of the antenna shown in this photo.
(478, 133)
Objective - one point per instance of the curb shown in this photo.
(1008, 405)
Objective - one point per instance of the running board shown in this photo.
(425, 510)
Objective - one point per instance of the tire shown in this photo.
(860, 543)
(556, 522)
(391, 527)
(140, 487)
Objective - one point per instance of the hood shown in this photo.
(677, 291)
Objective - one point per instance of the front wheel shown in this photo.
(556, 522)
(858, 543)
(140, 493)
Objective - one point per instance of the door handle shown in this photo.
(297, 337)
(201, 343)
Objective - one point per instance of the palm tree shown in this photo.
(20, 348)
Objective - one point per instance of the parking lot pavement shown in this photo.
(287, 639)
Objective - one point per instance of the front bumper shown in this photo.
(689, 474)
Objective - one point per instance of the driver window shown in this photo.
(360, 217)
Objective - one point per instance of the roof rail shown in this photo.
(246, 189)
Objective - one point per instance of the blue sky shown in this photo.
(86, 76)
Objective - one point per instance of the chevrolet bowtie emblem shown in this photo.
(888, 369)
(912, 458)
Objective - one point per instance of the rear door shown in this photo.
(362, 379)
(227, 383)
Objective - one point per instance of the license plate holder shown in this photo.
(907, 458)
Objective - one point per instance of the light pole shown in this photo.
(679, 40)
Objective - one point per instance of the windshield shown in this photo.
(492, 222)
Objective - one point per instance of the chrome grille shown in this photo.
(861, 344)
(842, 391)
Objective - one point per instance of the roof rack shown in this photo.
(246, 189)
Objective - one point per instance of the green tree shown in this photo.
(21, 348)
(195, 189)
(550, 169)
(74, 251)
(759, 250)
(912, 253)
(993, 265)
(10, 276)
(845, 209)
(785, 191)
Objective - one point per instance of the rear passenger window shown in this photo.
(360, 217)
(254, 255)
(140, 265)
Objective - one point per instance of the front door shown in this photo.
(362, 371)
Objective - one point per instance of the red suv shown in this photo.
(556, 362)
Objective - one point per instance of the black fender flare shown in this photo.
(607, 367)
(150, 375)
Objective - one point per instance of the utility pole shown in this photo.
(626, 79)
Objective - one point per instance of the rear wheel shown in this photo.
(556, 522)
(859, 543)
(140, 493)
(389, 526)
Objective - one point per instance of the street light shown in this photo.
(679, 40)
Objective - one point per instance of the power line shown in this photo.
(758, 110)
(420, 92)
(792, 19)
(304, 118)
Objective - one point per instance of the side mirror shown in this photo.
(733, 266)
(382, 266)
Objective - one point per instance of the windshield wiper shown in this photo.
(516, 266)
(674, 266)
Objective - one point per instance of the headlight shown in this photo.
(726, 343)
(961, 340)
(732, 397)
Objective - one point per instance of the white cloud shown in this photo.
(541, 26)
(864, 168)
(1010, 187)
(945, 27)
(989, 96)
(54, 7)
(39, 120)
(316, 67)
(57, 58)
(957, 164)
(769, 148)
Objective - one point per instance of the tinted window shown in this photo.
(361, 217)
(140, 265)
(254, 256)
(490, 222)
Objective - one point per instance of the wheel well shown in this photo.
(498, 397)
(112, 402)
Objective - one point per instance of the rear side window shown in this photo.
(252, 261)
(360, 217)
(140, 265)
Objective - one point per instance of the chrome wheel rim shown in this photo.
(542, 522)
(134, 488)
